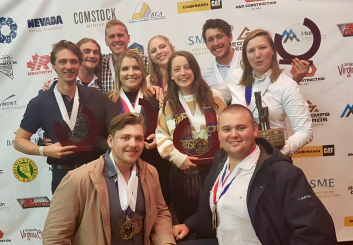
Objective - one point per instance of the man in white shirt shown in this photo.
(218, 37)
(254, 195)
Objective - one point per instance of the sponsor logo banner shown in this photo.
(255, 4)
(43, 24)
(6, 65)
(34, 202)
(2, 236)
(346, 29)
(29, 234)
(318, 118)
(25, 169)
(39, 65)
(8, 30)
(324, 188)
(315, 151)
(348, 221)
(345, 69)
(347, 111)
(97, 17)
(143, 12)
(3, 207)
(198, 5)
(136, 47)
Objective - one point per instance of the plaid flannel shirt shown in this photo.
(107, 77)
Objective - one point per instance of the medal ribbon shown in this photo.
(112, 67)
(126, 104)
(160, 84)
(233, 64)
(248, 91)
(59, 99)
(127, 192)
(194, 120)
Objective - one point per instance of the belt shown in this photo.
(66, 167)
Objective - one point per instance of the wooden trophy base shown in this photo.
(274, 136)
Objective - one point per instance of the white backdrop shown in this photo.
(29, 28)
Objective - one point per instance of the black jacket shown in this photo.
(282, 206)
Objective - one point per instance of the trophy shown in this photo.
(274, 136)
(81, 137)
(204, 150)
(287, 58)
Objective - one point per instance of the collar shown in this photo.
(189, 98)
(219, 65)
(247, 163)
(263, 77)
(79, 87)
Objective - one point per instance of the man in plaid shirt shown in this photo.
(117, 39)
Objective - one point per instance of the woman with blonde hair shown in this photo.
(280, 93)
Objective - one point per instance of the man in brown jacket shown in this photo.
(115, 199)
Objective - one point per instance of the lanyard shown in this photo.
(248, 92)
(194, 120)
(112, 67)
(160, 84)
(59, 99)
(126, 104)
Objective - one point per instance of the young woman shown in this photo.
(131, 85)
(188, 96)
(160, 49)
(280, 93)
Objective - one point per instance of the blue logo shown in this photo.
(136, 47)
(289, 35)
(348, 111)
(196, 40)
(13, 30)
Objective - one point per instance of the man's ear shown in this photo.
(110, 141)
(256, 130)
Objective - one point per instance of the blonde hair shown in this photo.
(247, 78)
(114, 23)
(115, 94)
(154, 70)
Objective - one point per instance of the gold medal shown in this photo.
(200, 146)
(215, 217)
(127, 228)
(138, 224)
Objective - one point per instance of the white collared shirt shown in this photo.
(235, 225)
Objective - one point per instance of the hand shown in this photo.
(301, 68)
(47, 85)
(157, 91)
(153, 145)
(180, 231)
(188, 164)
(46, 141)
(58, 151)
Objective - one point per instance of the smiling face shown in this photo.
(130, 74)
(259, 54)
(160, 52)
(90, 58)
(218, 43)
(237, 133)
(182, 74)
(117, 39)
(67, 66)
(127, 144)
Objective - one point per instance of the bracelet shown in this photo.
(41, 151)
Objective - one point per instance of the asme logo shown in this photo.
(6, 65)
(38, 62)
(136, 47)
(143, 12)
(330, 183)
(198, 5)
(318, 118)
(43, 22)
(8, 30)
(347, 111)
(346, 29)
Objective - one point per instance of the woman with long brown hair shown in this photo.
(280, 93)
(188, 96)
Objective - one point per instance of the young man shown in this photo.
(116, 199)
(254, 195)
(63, 102)
(218, 37)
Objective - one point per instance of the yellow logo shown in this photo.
(25, 170)
(142, 10)
(315, 151)
(348, 221)
(198, 5)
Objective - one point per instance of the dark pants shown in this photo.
(58, 175)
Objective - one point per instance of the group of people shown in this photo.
(119, 190)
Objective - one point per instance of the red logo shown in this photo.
(1, 234)
(346, 29)
(311, 72)
(39, 62)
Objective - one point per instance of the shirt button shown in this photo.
(261, 186)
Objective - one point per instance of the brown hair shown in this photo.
(120, 121)
(63, 44)
(98, 70)
(247, 78)
(221, 25)
(114, 23)
(154, 70)
(200, 88)
(115, 94)
(235, 108)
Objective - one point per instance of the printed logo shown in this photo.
(255, 4)
(347, 111)
(315, 151)
(198, 5)
(34, 202)
(10, 103)
(3, 207)
(6, 65)
(195, 40)
(318, 118)
(348, 221)
(31, 234)
(25, 169)
(143, 13)
(99, 15)
(8, 30)
(136, 47)
(324, 188)
(38, 63)
(52, 21)
(1, 171)
(345, 69)
(346, 29)
(1, 236)
(238, 44)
